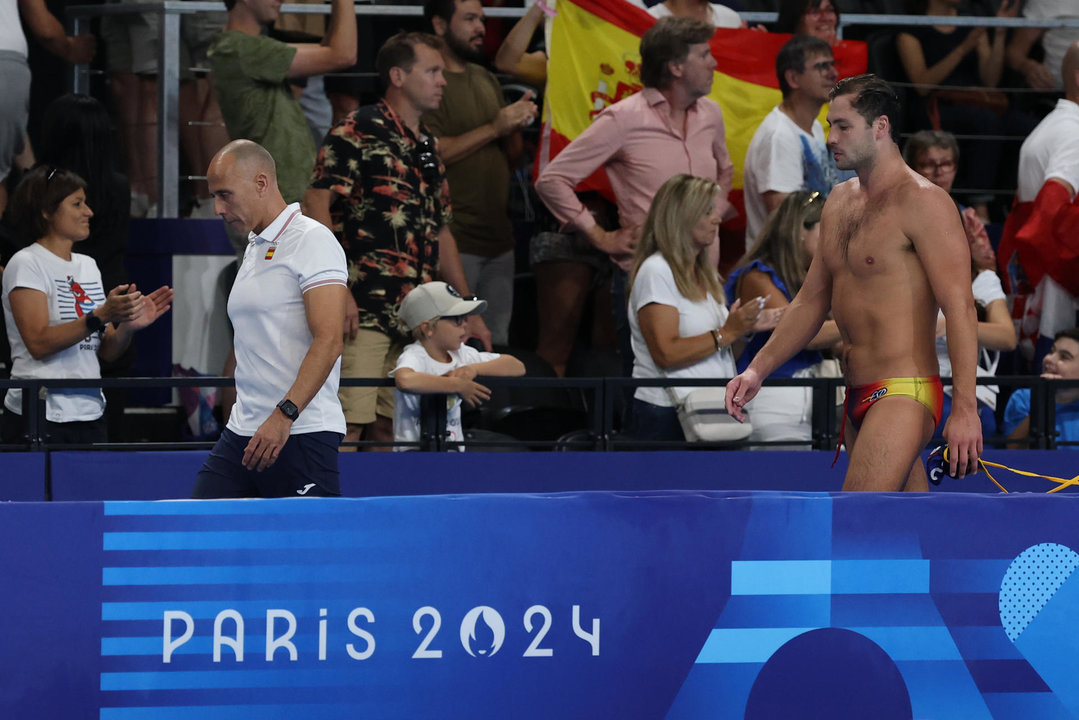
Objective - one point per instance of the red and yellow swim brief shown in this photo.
(926, 390)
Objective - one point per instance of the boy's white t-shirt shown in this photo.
(406, 405)
(72, 289)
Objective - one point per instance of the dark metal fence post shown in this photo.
(1038, 430)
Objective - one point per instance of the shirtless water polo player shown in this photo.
(892, 249)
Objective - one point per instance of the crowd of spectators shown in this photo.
(420, 183)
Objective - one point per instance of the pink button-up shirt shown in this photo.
(634, 140)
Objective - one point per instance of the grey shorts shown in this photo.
(14, 107)
(132, 42)
(566, 247)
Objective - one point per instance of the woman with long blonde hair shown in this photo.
(679, 323)
(775, 268)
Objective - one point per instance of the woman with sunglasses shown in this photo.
(60, 322)
(774, 268)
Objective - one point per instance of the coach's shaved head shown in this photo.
(252, 156)
(243, 181)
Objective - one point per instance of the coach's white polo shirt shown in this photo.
(291, 256)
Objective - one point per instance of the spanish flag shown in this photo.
(594, 62)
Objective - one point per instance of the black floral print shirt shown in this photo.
(395, 203)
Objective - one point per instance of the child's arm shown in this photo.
(502, 366)
(409, 380)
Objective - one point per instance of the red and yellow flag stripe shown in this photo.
(594, 62)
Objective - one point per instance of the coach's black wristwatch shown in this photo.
(289, 409)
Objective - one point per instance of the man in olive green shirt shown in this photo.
(478, 137)
(251, 73)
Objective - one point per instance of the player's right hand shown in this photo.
(740, 391)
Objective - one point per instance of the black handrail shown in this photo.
(599, 398)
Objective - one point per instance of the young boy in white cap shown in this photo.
(439, 362)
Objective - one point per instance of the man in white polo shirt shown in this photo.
(287, 308)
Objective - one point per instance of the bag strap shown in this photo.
(675, 402)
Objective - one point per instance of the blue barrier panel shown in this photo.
(149, 475)
(677, 605)
(22, 476)
(171, 475)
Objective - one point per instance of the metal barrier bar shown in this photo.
(601, 425)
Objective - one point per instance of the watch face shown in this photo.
(289, 409)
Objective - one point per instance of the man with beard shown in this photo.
(251, 73)
(891, 251)
(479, 139)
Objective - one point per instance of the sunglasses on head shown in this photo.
(427, 159)
(814, 197)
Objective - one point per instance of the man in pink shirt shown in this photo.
(670, 127)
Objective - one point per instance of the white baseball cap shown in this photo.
(436, 299)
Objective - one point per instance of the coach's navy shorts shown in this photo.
(305, 467)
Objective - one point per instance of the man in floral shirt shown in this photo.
(382, 165)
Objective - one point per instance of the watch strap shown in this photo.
(94, 323)
(288, 409)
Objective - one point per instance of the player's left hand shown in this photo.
(477, 328)
(963, 433)
(266, 444)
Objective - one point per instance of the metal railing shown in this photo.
(593, 402)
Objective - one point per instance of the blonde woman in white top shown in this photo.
(679, 323)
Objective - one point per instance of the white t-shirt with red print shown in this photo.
(72, 288)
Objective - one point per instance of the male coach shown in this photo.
(287, 308)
